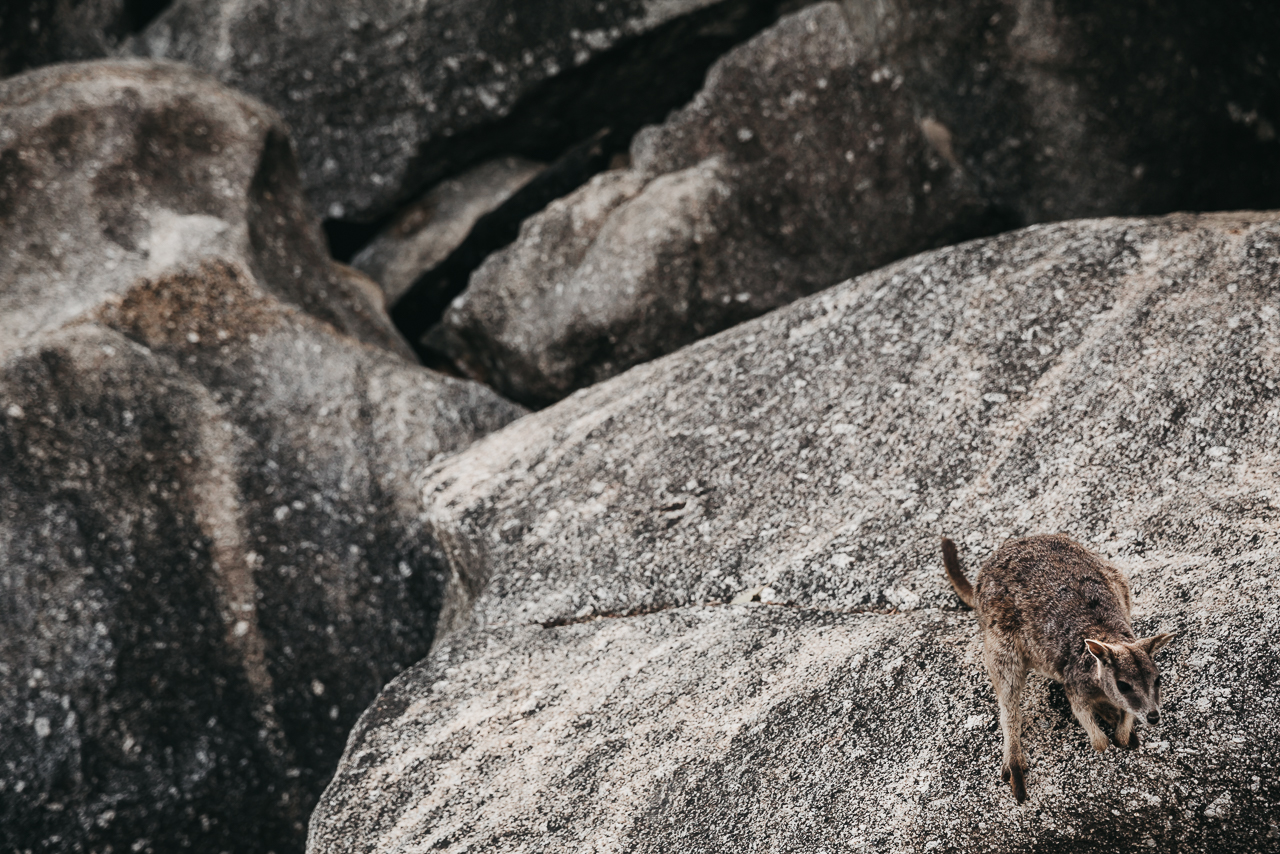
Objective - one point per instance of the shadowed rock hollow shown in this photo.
(424, 233)
(1115, 379)
(210, 551)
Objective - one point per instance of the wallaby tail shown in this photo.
(951, 560)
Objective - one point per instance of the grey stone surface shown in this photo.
(1114, 379)
(762, 728)
(117, 170)
(388, 98)
(849, 135)
(210, 549)
(791, 170)
(426, 231)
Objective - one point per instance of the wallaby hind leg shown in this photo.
(1083, 710)
(1008, 676)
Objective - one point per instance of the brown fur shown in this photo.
(1047, 604)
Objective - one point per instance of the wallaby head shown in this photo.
(1128, 675)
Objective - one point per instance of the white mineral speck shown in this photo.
(1220, 806)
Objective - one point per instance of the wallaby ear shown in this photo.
(1098, 650)
(1155, 642)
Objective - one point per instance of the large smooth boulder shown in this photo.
(849, 135)
(731, 728)
(1113, 379)
(120, 170)
(210, 549)
(389, 98)
(791, 170)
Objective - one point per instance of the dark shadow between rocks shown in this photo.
(1212, 137)
(40, 32)
(139, 13)
(578, 121)
(424, 303)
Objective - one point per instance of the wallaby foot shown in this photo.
(1015, 773)
(1132, 744)
(1083, 711)
(1125, 736)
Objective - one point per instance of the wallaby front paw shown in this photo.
(1099, 742)
(1132, 744)
(1015, 775)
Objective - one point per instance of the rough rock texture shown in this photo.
(386, 99)
(850, 135)
(771, 729)
(425, 232)
(113, 171)
(792, 169)
(1111, 378)
(210, 552)
(1115, 379)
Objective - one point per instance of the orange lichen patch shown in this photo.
(210, 305)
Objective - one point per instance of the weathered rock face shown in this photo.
(387, 99)
(425, 232)
(1106, 378)
(1115, 379)
(850, 135)
(1085, 108)
(740, 728)
(115, 171)
(791, 170)
(210, 554)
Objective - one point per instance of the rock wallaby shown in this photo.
(1047, 604)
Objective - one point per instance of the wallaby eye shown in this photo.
(1124, 686)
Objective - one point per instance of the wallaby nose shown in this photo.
(1153, 717)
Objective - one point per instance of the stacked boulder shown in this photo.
(852, 134)
(210, 552)
(702, 604)
(696, 601)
